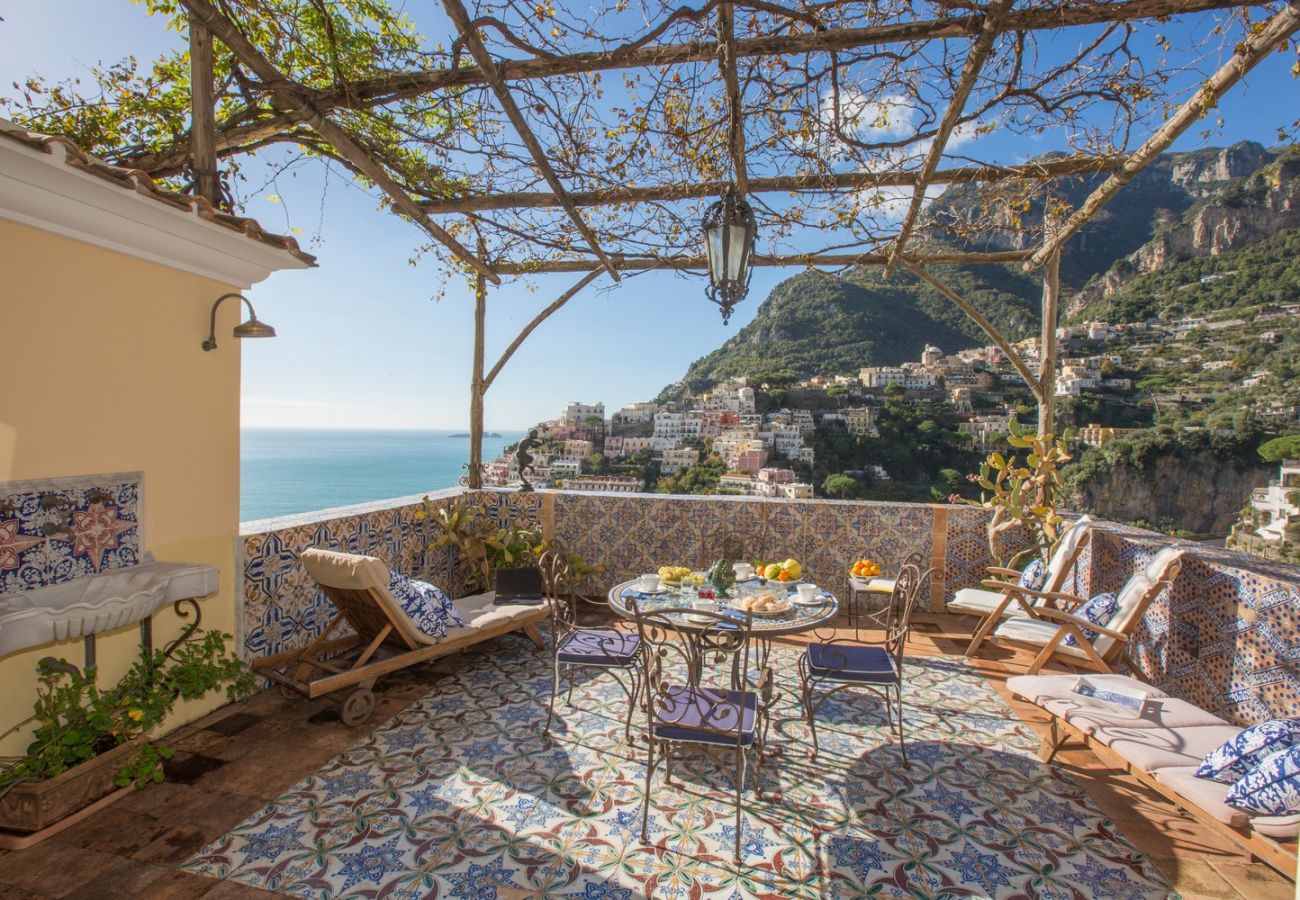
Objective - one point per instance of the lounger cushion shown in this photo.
(349, 571)
(1272, 788)
(1208, 795)
(428, 608)
(1231, 761)
(1168, 713)
(1035, 632)
(1040, 688)
(1151, 749)
(1211, 796)
(979, 602)
(479, 612)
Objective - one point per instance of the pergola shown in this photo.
(770, 100)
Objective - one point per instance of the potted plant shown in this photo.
(90, 740)
(1023, 494)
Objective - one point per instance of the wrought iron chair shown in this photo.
(828, 667)
(680, 709)
(608, 649)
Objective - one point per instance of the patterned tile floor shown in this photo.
(460, 795)
(460, 782)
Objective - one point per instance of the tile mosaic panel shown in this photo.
(1225, 635)
(58, 529)
(628, 534)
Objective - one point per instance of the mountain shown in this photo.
(819, 324)
(1208, 206)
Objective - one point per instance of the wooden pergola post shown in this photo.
(203, 124)
(1047, 345)
(476, 385)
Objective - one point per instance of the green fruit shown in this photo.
(772, 571)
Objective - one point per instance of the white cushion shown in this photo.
(1041, 688)
(348, 571)
(978, 601)
(1130, 595)
(1035, 632)
(1065, 548)
(1151, 749)
(1209, 796)
(480, 611)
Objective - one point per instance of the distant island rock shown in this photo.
(490, 434)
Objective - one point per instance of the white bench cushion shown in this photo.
(978, 602)
(479, 612)
(1209, 796)
(1035, 632)
(1037, 688)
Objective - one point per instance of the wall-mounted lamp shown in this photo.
(250, 329)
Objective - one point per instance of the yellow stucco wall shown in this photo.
(105, 374)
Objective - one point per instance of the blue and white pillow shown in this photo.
(1237, 756)
(1272, 788)
(426, 605)
(1033, 575)
(1099, 610)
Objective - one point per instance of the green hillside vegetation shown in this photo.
(820, 324)
(1262, 274)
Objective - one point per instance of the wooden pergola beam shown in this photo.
(366, 93)
(1047, 169)
(1248, 54)
(731, 82)
(460, 18)
(298, 99)
(979, 319)
(975, 59)
(538, 320)
(650, 263)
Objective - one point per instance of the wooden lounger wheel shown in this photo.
(358, 707)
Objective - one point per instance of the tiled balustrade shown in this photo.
(1226, 636)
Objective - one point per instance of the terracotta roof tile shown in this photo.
(140, 182)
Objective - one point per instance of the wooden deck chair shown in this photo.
(386, 637)
(1001, 596)
(1045, 628)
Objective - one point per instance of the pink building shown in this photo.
(750, 460)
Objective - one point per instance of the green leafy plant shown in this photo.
(469, 530)
(1023, 494)
(77, 719)
(515, 547)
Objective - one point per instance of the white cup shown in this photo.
(807, 592)
(743, 570)
(702, 605)
(650, 583)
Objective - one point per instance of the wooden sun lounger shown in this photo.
(386, 638)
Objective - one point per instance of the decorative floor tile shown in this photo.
(460, 795)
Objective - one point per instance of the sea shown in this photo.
(285, 471)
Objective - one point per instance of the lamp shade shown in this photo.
(729, 232)
(254, 329)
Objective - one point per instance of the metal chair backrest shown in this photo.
(912, 585)
(557, 588)
(673, 658)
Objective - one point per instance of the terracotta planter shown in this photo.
(36, 805)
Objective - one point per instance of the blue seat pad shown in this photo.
(600, 647)
(706, 715)
(852, 662)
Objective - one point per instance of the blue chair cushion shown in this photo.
(1231, 761)
(1272, 788)
(1033, 576)
(425, 605)
(1099, 610)
(852, 662)
(706, 715)
(599, 647)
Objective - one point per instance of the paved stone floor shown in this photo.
(235, 760)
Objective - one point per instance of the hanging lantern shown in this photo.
(729, 231)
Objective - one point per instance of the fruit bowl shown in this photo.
(788, 571)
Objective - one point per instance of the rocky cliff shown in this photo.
(1246, 194)
(1201, 492)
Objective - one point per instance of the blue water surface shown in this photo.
(284, 471)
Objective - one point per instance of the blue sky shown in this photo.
(363, 344)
